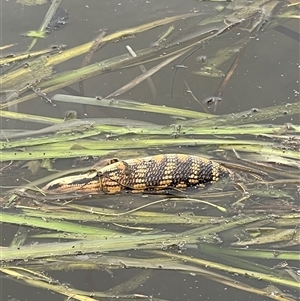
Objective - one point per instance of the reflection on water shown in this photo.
(247, 61)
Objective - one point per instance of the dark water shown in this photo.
(268, 74)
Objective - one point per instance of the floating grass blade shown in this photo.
(131, 284)
(86, 126)
(250, 253)
(222, 267)
(20, 237)
(158, 263)
(145, 75)
(123, 61)
(78, 50)
(29, 117)
(141, 143)
(139, 242)
(45, 223)
(50, 13)
(249, 116)
(289, 236)
(263, 149)
(109, 216)
(130, 105)
(164, 36)
(45, 283)
(24, 56)
(34, 72)
(204, 119)
(144, 70)
(48, 154)
(7, 46)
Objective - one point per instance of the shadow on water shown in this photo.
(228, 92)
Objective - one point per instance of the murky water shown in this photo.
(267, 74)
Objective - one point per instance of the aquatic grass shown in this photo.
(78, 50)
(45, 143)
(24, 56)
(145, 75)
(263, 149)
(48, 154)
(259, 216)
(271, 159)
(18, 75)
(190, 236)
(242, 272)
(201, 119)
(109, 244)
(91, 128)
(68, 78)
(249, 116)
(38, 148)
(287, 220)
(152, 242)
(286, 236)
(252, 253)
(8, 46)
(32, 73)
(86, 127)
(157, 263)
(20, 237)
(34, 278)
(57, 225)
(50, 13)
(116, 216)
(39, 280)
(132, 283)
(271, 193)
(121, 62)
(211, 252)
(29, 117)
(104, 147)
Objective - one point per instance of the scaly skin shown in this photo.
(158, 174)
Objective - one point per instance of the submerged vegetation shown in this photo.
(245, 235)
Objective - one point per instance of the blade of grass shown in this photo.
(145, 75)
(20, 237)
(7, 46)
(49, 224)
(222, 267)
(63, 80)
(50, 13)
(45, 283)
(92, 215)
(34, 72)
(29, 118)
(131, 284)
(130, 105)
(130, 242)
(45, 143)
(48, 154)
(24, 56)
(158, 263)
(79, 50)
(273, 236)
(248, 116)
(272, 159)
(263, 149)
(144, 70)
(90, 127)
(250, 253)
